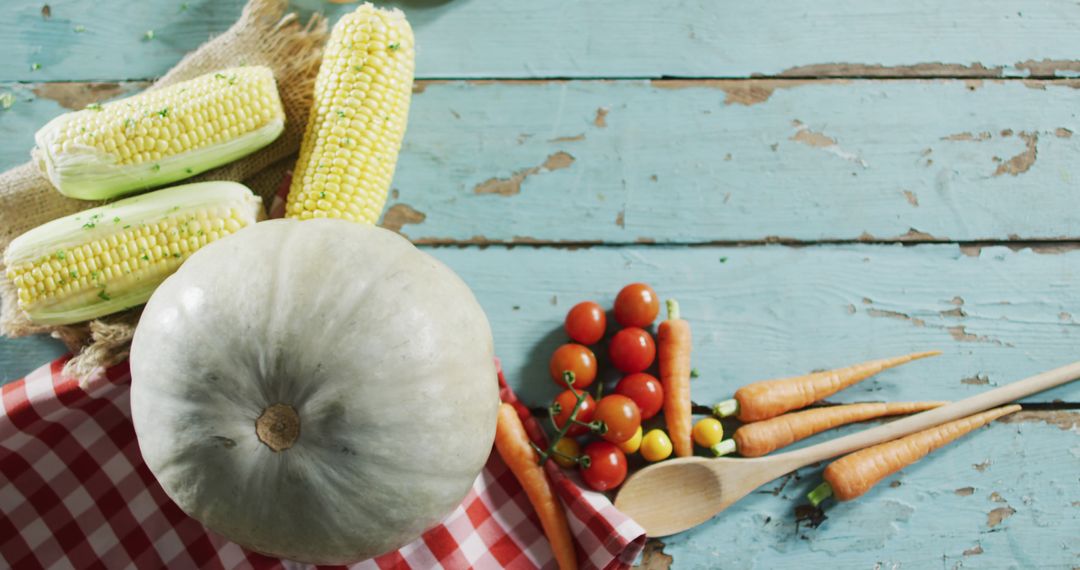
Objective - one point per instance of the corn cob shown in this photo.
(362, 95)
(112, 257)
(160, 136)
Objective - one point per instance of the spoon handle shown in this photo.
(918, 422)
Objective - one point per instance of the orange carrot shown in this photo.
(673, 344)
(855, 473)
(514, 447)
(760, 438)
(770, 398)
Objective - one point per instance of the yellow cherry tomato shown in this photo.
(567, 448)
(656, 445)
(631, 445)
(708, 432)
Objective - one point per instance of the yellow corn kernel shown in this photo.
(158, 136)
(112, 257)
(362, 96)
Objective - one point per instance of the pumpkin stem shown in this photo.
(278, 427)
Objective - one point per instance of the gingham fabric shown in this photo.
(75, 493)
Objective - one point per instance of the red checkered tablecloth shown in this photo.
(75, 493)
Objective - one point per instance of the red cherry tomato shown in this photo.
(586, 322)
(632, 350)
(566, 401)
(621, 416)
(607, 466)
(645, 390)
(577, 359)
(636, 305)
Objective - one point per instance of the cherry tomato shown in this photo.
(645, 390)
(632, 350)
(620, 416)
(566, 448)
(566, 401)
(586, 322)
(708, 432)
(606, 466)
(577, 359)
(633, 444)
(656, 445)
(636, 305)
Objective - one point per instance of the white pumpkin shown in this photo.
(319, 391)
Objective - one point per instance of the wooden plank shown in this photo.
(1003, 497)
(762, 312)
(689, 162)
(758, 312)
(603, 38)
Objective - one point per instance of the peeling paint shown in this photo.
(956, 312)
(996, 516)
(911, 198)
(1022, 162)
(1063, 419)
(620, 219)
(996, 497)
(804, 135)
(76, 96)
(512, 185)
(653, 557)
(1048, 67)
(601, 117)
(934, 69)
(964, 491)
(896, 315)
(575, 138)
(1063, 133)
(980, 467)
(974, 551)
(960, 334)
(983, 136)
(976, 380)
(400, 214)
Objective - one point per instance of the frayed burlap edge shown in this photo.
(264, 35)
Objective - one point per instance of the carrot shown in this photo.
(770, 398)
(760, 438)
(516, 450)
(855, 473)
(673, 344)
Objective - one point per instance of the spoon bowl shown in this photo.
(680, 494)
(693, 490)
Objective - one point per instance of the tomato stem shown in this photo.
(574, 458)
(555, 409)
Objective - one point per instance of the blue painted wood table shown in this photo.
(817, 183)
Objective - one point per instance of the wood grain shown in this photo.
(602, 38)
(706, 161)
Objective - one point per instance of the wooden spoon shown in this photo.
(676, 495)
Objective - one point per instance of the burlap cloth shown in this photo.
(264, 35)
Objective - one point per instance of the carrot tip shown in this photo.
(726, 408)
(820, 493)
(723, 448)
